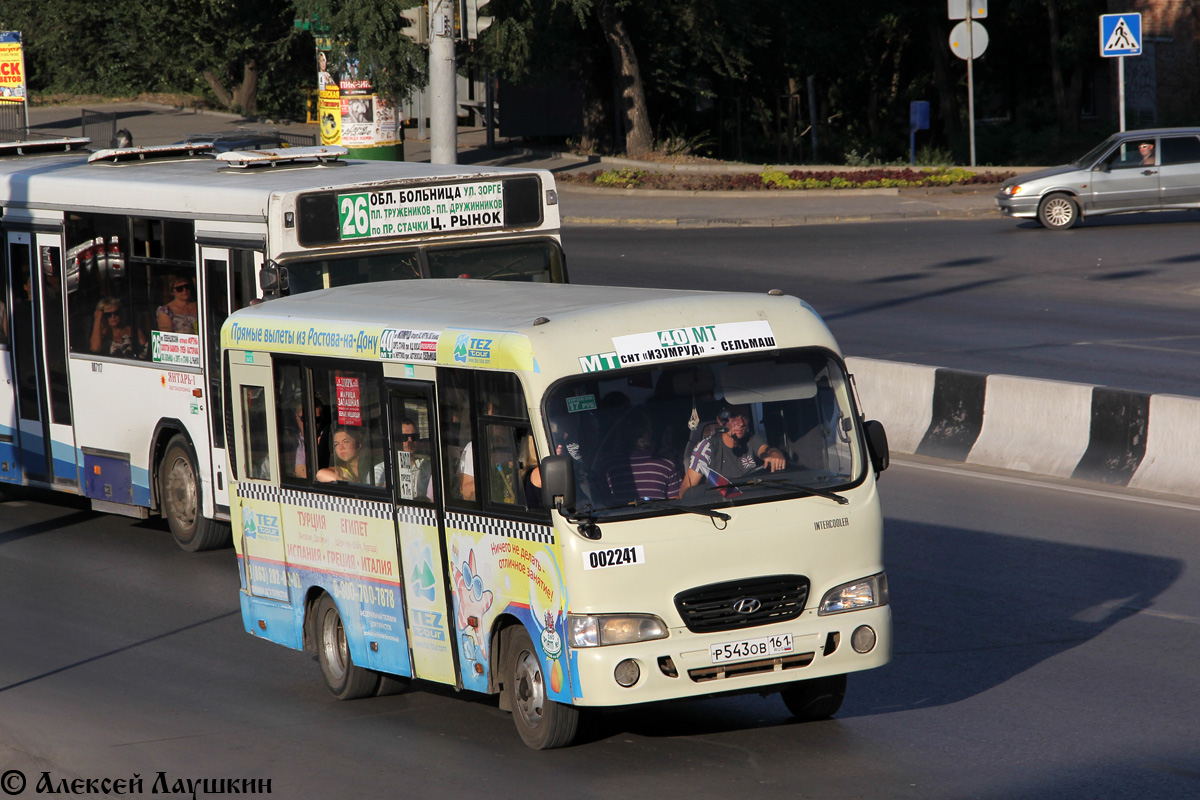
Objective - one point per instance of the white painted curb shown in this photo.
(1033, 425)
(1172, 460)
(898, 395)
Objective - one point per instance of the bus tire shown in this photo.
(543, 723)
(345, 679)
(179, 488)
(818, 698)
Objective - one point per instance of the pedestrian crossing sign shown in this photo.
(1120, 35)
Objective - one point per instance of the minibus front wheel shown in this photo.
(817, 698)
(543, 723)
(345, 679)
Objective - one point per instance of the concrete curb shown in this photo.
(776, 222)
(1064, 430)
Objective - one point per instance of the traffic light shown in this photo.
(416, 23)
(473, 23)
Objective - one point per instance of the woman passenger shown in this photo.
(179, 314)
(350, 462)
(112, 332)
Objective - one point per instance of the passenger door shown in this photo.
(255, 510)
(1179, 171)
(46, 435)
(227, 284)
(1128, 185)
(420, 526)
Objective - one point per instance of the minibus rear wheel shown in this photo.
(345, 679)
(543, 723)
(818, 698)
(179, 490)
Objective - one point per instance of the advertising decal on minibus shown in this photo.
(182, 349)
(406, 345)
(678, 343)
(491, 349)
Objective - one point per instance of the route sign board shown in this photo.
(1120, 35)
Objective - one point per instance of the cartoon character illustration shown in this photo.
(473, 601)
(552, 647)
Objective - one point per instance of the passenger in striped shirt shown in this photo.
(639, 474)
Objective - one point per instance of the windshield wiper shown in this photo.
(670, 502)
(810, 490)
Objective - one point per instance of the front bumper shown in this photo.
(680, 665)
(1017, 206)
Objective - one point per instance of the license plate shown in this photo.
(751, 648)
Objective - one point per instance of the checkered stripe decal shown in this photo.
(321, 502)
(501, 527)
(415, 515)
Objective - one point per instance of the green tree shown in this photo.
(236, 45)
(370, 30)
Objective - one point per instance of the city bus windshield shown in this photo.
(535, 261)
(707, 434)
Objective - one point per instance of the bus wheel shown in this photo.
(179, 488)
(819, 698)
(345, 679)
(543, 723)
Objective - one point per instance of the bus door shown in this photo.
(228, 284)
(421, 531)
(46, 436)
(257, 503)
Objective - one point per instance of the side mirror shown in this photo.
(877, 444)
(273, 279)
(558, 482)
(1101, 167)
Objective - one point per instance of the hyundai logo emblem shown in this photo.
(747, 605)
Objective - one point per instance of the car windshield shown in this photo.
(699, 435)
(1095, 153)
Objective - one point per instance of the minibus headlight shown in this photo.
(597, 630)
(865, 593)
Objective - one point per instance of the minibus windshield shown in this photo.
(702, 434)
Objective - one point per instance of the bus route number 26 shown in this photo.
(354, 214)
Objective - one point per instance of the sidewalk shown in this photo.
(153, 124)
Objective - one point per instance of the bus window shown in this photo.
(50, 260)
(538, 262)
(458, 462)
(291, 409)
(254, 431)
(3, 301)
(411, 441)
(356, 441)
(314, 274)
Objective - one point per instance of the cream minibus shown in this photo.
(566, 496)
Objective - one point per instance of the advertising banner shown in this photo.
(12, 68)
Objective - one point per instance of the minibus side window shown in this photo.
(254, 432)
(357, 452)
(291, 406)
(458, 454)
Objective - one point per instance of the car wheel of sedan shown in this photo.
(1058, 212)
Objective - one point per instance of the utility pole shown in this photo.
(443, 114)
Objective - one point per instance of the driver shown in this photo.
(731, 452)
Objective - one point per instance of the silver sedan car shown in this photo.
(1147, 170)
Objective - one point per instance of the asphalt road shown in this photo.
(1046, 647)
(1111, 303)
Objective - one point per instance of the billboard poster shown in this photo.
(12, 68)
(349, 112)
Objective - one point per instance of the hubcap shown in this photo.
(530, 689)
(1058, 212)
(181, 492)
(333, 641)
